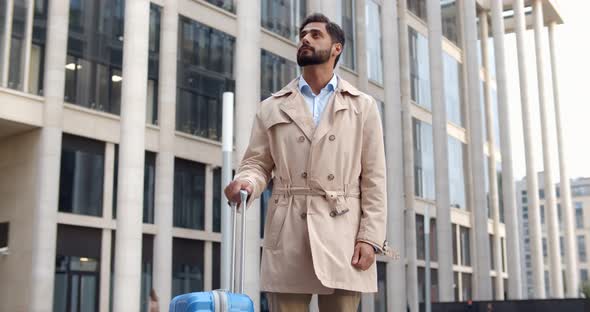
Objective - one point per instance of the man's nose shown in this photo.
(305, 41)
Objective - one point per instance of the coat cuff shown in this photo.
(380, 249)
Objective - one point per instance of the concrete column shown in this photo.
(492, 178)
(27, 43)
(164, 197)
(571, 264)
(441, 154)
(531, 173)
(6, 44)
(131, 157)
(360, 20)
(247, 65)
(392, 113)
(510, 208)
(555, 275)
(408, 161)
(481, 253)
(47, 188)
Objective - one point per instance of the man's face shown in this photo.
(315, 45)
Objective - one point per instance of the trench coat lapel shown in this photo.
(294, 106)
(337, 102)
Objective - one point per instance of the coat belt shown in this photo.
(336, 199)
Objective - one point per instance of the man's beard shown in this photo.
(315, 58)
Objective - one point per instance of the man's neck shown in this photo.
(317, 76)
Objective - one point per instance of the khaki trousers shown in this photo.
(339, 301)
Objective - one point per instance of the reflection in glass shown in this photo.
(153, 65)
(17, 43)
(423, 160)
(283, 17)
(217, 200)
(276, 72)
(81, 176)
(457, 152)
(373, 24)
(450, 20)
(465, 246)
(189, 194)
(419, 69)
(204, 73)
(348, 55)
(224, 4)
(149, 185)
(37, 60)
(187, 266)
(381, 295)
(452, 85)
(95, 54)
(418, 7)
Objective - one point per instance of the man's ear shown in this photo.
(337, 49)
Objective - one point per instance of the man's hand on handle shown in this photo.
(364, 256)
(232, 190)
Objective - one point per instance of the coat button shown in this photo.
(330, 177)
(301, 139)
(304, 175)
(332, 137)
(332, 214)
(303, 215)
(276, 201)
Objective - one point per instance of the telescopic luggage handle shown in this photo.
(237, 286)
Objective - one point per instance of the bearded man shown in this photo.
(320, 140)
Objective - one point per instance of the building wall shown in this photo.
(580, 197)
(18, 164)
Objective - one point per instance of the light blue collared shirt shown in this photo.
(317, 103)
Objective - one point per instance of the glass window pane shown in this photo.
(373, 25)
(189, 194)
(204, 73)
(187, 266)
(95, 42)
(418, 7)
(467, 289)
(423, 160)
(276, 72)
(465, 246)
(457, 152)
(16, 60)
(217, 200)
(581, 248)
(224, 4)
(153, 65)
(146, 271)
(216, 283)
(149, 187)
(420, 241)
(419, 69)
(452, 85)
(283, 17)
(348, 20)
(450, 20)
(381, 295)
(81, 176)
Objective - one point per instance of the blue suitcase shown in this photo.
(221, 300)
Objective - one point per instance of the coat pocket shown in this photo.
(276, 222)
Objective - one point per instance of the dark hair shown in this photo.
(333, 29)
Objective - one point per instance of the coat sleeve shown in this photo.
(257, 164)
(372, 227)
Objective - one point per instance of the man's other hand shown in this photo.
(232, 190)
(364, 256)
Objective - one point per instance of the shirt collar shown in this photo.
(305, 88)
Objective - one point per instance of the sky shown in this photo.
(572, 45)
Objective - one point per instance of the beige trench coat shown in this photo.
(329, 189)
